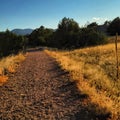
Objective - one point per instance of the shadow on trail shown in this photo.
(85, 109)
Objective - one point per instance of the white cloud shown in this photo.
(96, 18)
(99, 20)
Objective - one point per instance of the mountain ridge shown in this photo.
(19, 31)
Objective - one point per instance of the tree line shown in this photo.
(68, 35)
(11, 43)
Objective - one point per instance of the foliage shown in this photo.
(114, 27)
(69, 35)
(40, 36)
(91, 37)
(66, 34)
(92, 25)
(10, 43)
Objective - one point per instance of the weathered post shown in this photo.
(116, 53)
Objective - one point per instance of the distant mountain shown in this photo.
(22, 31)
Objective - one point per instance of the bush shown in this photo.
(91, 37)
(114, 27)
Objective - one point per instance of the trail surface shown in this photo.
(40, 90)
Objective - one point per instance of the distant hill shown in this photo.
(22, 31)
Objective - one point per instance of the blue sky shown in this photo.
(34, 13)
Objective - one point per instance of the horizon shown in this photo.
(21, 14)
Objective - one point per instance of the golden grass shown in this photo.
(94, 69)
(8, 65)
(3, 79)
(111, 39)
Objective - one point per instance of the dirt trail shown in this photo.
(40, 90)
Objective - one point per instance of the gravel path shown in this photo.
(40, 90)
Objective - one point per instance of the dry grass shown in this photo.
(111, 39)
(3, 79)
(94, 70)
(8, 65)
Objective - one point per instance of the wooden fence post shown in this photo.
(116, 53)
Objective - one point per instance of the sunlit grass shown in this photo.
(94, 69)
(8, 65)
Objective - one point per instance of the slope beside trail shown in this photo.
(40, 90)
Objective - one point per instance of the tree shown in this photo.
(66, 34)
(92, 25)
(40, 36)
(91, 37)
(107, 23)
(10, 43)
(114, 27)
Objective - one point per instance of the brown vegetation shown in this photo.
(94, 69)
(8, 65)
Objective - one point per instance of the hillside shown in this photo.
(94, 70)
(22, 31)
